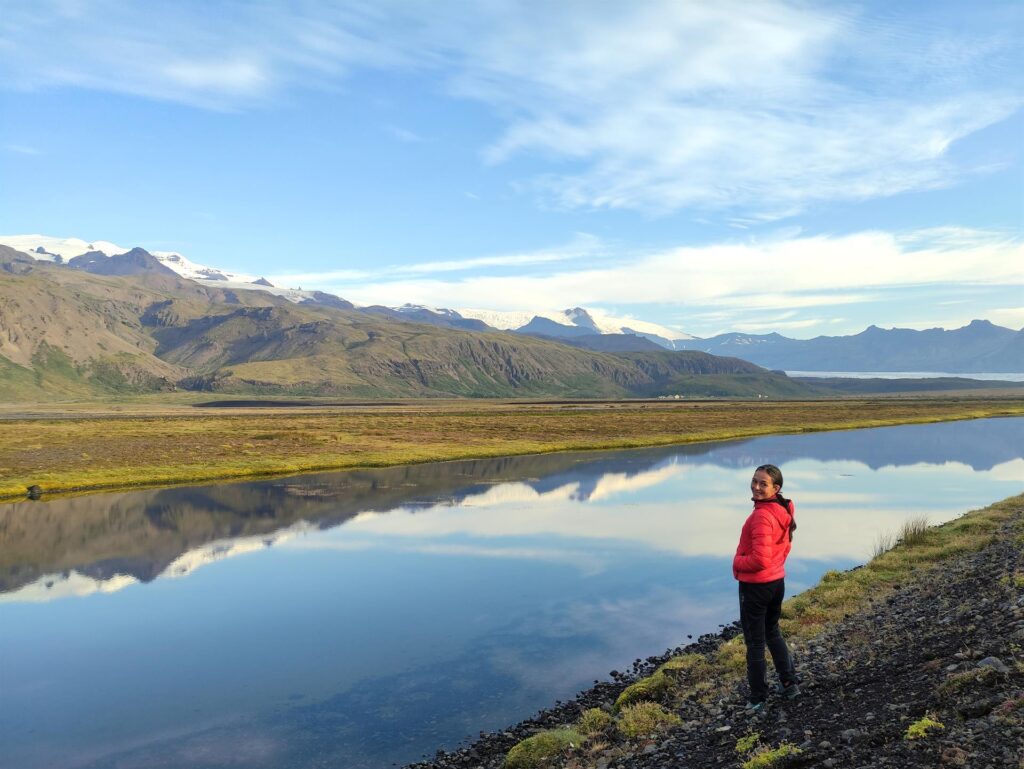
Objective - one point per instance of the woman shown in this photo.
(759, 565)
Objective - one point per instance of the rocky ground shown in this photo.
(947, 645)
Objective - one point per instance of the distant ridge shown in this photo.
(978, 347)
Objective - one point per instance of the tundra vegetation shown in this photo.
(139, 443)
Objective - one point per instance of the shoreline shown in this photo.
(77, 454)
(912, 659)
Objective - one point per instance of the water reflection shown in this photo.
(357, 619)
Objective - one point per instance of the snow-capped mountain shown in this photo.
(576, 321)
(63, 250)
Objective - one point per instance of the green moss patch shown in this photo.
(540, 749)
(769, 757)
(748, 742)
(966, 679)
(645, 718)
(687, 671)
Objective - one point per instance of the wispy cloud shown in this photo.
(807, 272)
(22, 149)
(581, 246)
(404, 134)
(780, 325)
(759, 110)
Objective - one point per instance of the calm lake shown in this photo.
(356, 620)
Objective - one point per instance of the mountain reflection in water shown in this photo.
(362, 618)
(82, 544)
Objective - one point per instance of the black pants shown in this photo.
(760, 608)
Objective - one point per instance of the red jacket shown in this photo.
(764, 543)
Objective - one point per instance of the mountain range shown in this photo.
(94, 324)
(221, 330)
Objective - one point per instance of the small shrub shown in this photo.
(653, 687)
(1015, 580)
(691, 668)
(535, 751)
(769, 757)
(694, 667)
(964, 679)
(1010, 710)
(645, 718)
(593, 721)
(830, 576)
(732, 655)
(954, 756)
(919, 729)
(747, 743)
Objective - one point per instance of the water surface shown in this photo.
(1006, 377)
(364, 618)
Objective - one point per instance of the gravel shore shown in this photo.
(946, 645)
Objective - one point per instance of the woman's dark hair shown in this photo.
(776, 475)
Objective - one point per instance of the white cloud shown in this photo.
(819, 271)
(404, 134)
(776, 325)
(1012, 317)
(234, 75)
(22, 149)
(759, 109)
(580, 246)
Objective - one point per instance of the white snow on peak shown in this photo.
(606, 324)
(612, 325)
(409, 307)
(66, 248)
(193, 271)
(513, 319)
(46, 247)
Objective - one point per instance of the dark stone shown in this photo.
(995, 663)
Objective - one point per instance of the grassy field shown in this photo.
(142, 443)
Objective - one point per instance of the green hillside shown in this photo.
(71, 334)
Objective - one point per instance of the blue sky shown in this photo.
(806, 168)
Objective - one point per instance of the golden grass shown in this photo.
(90, 447)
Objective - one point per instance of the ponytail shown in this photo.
(776, 475)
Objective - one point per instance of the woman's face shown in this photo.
(762, 486)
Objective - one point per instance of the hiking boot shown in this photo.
(790, 692)
(755, 708)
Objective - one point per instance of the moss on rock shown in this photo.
(540, 749)
(645, 718)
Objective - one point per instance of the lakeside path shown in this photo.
(91, 448)
(913, 660)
